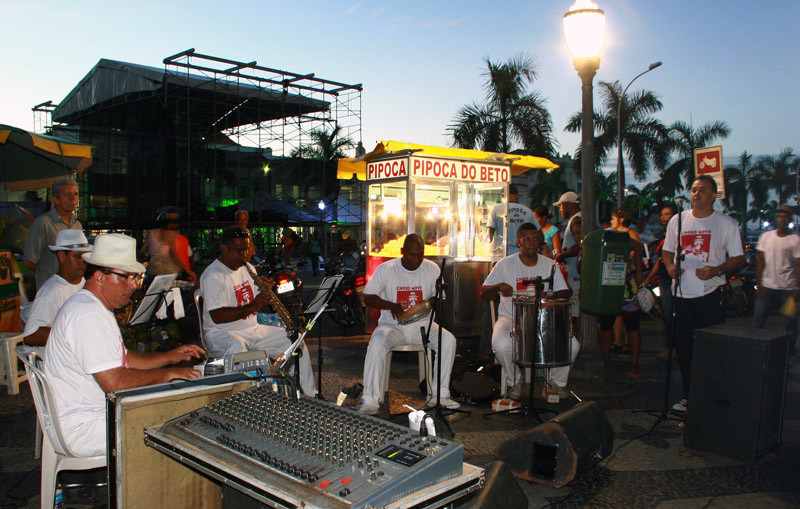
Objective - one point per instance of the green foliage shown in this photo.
(511, 117)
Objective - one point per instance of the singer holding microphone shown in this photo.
(710, 247)
(398, 286)
(517, 273)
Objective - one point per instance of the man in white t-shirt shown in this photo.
(231, 301)
(711, 247)
(69, 248)
(398, 285)
(778, 272)
(514, 215)
(513, 274)
(85, 354)
(569, 207)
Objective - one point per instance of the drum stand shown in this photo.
(528, 409)
(440, 413)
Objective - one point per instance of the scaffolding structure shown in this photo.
(207, 134)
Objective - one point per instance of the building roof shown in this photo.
(129, 96)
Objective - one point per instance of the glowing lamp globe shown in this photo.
(584, 29)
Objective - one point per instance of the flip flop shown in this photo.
(634, 374)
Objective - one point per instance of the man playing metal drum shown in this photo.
(516, 274)
(396, 287)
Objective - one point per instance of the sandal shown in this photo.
(634, 373)
(617, 348)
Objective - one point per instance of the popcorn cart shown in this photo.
(445, 196)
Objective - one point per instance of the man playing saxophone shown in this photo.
(231, 301)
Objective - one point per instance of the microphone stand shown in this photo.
(664, 414)
(440, 413)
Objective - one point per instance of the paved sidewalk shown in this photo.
(645, 469)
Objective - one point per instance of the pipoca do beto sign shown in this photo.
(444, 169)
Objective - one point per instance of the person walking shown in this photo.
(778, 274)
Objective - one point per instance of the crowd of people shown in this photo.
(73, 327)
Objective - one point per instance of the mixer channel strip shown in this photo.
(349, 458)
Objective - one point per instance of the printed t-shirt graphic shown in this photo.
(244, 295)
(525, 284)
(697, 243)
(409, 296)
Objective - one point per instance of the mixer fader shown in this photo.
(350, 459)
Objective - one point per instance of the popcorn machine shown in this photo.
(444, 195)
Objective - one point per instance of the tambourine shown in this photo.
(415, 313)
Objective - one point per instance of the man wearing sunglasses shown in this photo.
(85, 357)
(231, 301)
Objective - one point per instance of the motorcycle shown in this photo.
(288, 286)
(347, 301)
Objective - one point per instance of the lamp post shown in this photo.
(620, 166)
(584, 31)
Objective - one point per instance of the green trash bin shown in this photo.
(604, 260)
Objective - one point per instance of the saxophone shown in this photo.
(276, 303)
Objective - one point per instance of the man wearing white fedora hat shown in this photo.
(69, 248)
(85, 355)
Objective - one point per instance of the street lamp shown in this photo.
(620, 166)
(584, 31)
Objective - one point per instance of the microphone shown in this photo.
(680, 202)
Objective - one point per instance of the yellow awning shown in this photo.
(519, 164)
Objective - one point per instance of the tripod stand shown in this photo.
(439, 413)
(663, 414)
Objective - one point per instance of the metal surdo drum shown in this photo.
(553, 339)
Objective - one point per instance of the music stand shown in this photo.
(154, 296)
(320, 302)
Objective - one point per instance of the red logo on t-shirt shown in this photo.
(526, 284)
(244, 294)
(409, 297)
(697, 243)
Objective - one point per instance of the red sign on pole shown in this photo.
(708, 161)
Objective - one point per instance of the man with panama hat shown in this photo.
(69, 248)
(85, 355)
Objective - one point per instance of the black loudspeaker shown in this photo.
(501, 490)
(737, 389)
(555, 452)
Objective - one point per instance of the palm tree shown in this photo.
(549, 186)
(511, 117)
(325, 146)
(741, 181)
(643, 137)
(683, 139)
(782, 173)
(606, 193)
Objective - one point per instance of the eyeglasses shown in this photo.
(129, 278)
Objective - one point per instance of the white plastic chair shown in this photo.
(53, 462)
(198, 303)
(425, 368)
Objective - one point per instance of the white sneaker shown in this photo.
(368, 408)
(514, 392)
(680, 406)
(448, 403)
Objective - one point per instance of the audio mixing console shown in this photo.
(318, 453)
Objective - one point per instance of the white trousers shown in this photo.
(503, 349)
(272, 340)
(88, 438)
(387, 337)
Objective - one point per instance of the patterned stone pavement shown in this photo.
(645, 469)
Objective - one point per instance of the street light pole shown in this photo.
(620, 165)
(584, 31)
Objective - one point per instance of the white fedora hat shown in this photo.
(115, 251)
(71, 240)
